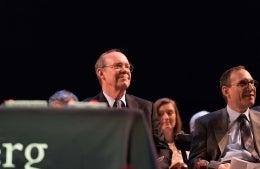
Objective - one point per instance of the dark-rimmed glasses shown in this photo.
(245, 83)
(120, 66)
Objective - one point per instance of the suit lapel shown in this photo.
(221, 133)
(131, 102)
(255, 120)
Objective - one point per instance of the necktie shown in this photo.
(118, 104)
(246, 136)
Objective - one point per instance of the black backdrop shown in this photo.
(179, 49)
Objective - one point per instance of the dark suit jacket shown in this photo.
(211, 136)
(146, 106)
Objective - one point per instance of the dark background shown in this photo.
(179, 49)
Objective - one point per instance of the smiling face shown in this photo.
(115, 74)
(241, 92)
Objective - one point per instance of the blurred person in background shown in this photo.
(171, 124)
(62, 98)
(194, 118)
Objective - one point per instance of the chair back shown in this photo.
(182, 142)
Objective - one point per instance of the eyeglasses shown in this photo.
(120, 66)
(245, 83)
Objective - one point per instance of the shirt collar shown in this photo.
(112, 100)
(233, 115)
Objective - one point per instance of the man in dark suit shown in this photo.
(113, 71)
(217, 136)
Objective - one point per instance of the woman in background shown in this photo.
(171, 124)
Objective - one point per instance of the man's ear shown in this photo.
(99, 73)
(224, 90)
